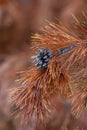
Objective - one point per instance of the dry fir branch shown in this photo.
(57, 51)
(79, 101)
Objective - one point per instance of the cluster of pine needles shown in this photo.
(65, 75)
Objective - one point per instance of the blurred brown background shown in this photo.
(18, 20)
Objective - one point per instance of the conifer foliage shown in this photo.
(58, 70)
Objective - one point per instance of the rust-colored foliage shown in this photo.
(36, 86)
(79, 101)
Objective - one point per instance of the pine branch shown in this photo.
(54, 72)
